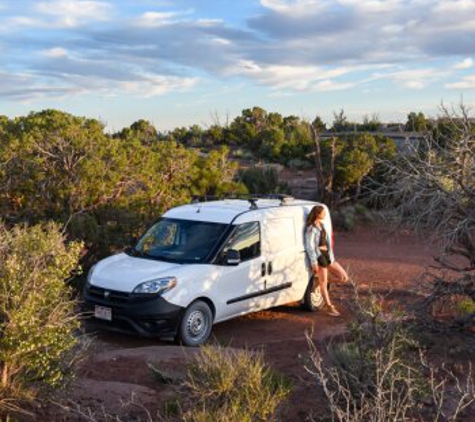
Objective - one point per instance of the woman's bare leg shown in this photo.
(338, 271)
(323, 283)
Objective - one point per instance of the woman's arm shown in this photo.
(312, 236)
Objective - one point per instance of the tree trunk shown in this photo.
(5, 376)
(321, 182)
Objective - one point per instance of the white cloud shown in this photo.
(306, 7)
(296, 7)
(288, 45)
(25, 87)
(329, 85)
(374, 6)
(154, 85)
(156, 19)
(55, 52)
(209, 22)
(22, 21)
(297, 78)
(468, 82)
(71, 13)
(367, 29)
(464, 64)
(393, 29)
(302, 78)
(220, 41)
(412, 78)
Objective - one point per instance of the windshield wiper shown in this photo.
(159, 257)
(133, 252)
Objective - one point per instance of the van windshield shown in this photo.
(181, 241)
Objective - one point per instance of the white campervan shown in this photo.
(204, 263)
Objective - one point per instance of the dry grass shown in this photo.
(381, 374)
(233, 385)
(221, 385)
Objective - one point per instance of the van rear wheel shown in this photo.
(196, 324)
(313, 299)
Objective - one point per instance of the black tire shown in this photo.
(196, 324)
(313, 299)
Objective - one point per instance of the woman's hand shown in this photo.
(315, 268)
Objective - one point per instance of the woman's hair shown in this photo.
(316, 210)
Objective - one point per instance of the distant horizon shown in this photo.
(176, 63)
(205, 125)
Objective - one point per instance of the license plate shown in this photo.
(102, 312)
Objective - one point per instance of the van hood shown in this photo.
(123, 272)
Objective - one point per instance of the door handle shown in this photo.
(269, 268)
(263, 269)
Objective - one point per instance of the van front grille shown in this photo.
(109, 295)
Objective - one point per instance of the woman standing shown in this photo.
(319, 251)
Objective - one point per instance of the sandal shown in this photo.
(332, 311)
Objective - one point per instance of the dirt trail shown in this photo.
(119, 364)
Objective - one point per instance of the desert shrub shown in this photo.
(38, 318)
(242, 153)
(262, 180)
(61, 167)
(467, 306)
(432, 192)
(300, 164)
(233, 385)
(344, 219)
(379, 373)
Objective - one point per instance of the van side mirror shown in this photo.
(233, 257)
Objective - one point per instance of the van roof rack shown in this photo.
(251, 197)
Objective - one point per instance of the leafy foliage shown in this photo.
(107, 188)
(38, 317)
(416, 122)
(262, 180)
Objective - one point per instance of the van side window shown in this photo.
(246, 239)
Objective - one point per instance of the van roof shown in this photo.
(224, 211)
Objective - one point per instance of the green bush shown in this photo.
(233, 385)
(300, 164)
(38, 318)
(262, 180)
(466, 307)
(345, 219)
(57, 166)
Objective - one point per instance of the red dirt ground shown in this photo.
(118, 365)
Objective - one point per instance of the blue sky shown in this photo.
(182, 62)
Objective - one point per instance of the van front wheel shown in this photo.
(196, 324)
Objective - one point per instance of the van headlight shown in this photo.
(158, 286)
(89, 274)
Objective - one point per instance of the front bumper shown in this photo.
(149, 316)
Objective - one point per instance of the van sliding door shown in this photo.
(280, 251)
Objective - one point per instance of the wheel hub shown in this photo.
(196, 324)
